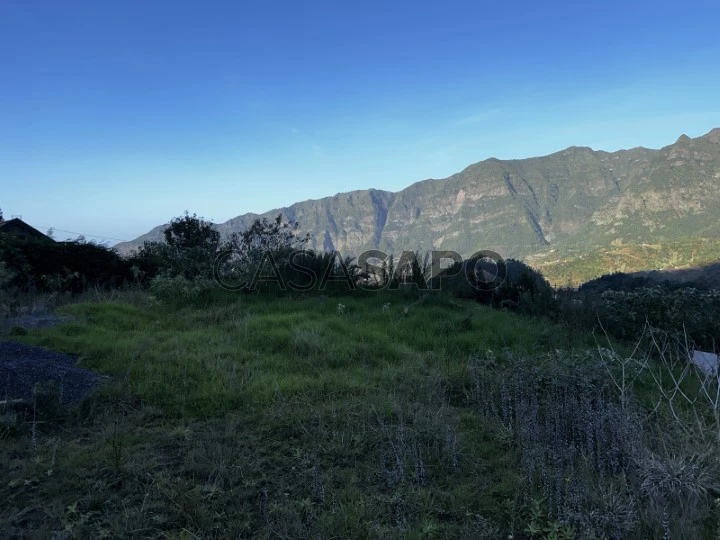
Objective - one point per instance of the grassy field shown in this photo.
(242, 416)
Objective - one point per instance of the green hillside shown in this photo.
(577, 202)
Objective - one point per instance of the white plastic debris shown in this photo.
(707, 362)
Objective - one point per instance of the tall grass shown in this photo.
(397, 416)
(248, 349)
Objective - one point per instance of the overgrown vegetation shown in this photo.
(505, 284)
(188, 252)
(74, 266)
(388, 411)
(686, 314)
(394, 416)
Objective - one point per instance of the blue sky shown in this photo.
(117, 116)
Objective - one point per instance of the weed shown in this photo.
(257, 416)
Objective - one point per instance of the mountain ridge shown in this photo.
(521, 207)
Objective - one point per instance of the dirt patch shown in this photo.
(23, 366)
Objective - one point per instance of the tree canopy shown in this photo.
(191, 232)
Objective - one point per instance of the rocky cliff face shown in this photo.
(574, 198)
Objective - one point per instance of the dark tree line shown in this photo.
(42, 265)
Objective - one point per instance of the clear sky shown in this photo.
(117, 116)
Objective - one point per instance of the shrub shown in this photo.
(176, 289)
(34, 264)
(573, 442)
(6, 293)
(516, 286)
(679, 312)
(603, 462)
(189, 250)
(6, 276)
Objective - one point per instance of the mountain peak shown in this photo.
(578, 149)
(713, 136)
(683, 139)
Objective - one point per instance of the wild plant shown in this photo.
(177, 288)
(679, 472)
(613, 444)
(573, 442)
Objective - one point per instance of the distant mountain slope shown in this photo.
(701, 277)
(574, 201)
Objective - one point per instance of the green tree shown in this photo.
(273, 247)
(270, 236)
(192, 232)
(189, 250)
(264, 238)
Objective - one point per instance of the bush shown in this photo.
(6, 293)
(193, 252)
(33, 264)
(270, 256)
(679, 312)
(176, 289)
(592, 456)
(189, 250)
(517, 287)
(574, 444)
(6, 276)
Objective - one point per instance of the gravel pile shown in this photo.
(22, 366)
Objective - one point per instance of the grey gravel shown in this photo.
(44, 319)
(22, 366)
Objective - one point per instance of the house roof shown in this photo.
(9, 225)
